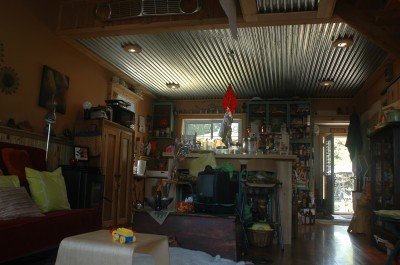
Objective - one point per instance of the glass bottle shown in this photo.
(158, 201)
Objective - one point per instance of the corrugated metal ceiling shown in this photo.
(268, 61)
(284, 6)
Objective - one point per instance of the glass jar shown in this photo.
(252, 145)
(245, 146)
(235, 148)
(222, 150)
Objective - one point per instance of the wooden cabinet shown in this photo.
(385, 170)
(385, 179)
(114, 156)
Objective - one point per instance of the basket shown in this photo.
(260, 238)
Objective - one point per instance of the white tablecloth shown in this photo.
(98, 248)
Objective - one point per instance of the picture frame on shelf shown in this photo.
(81, 153)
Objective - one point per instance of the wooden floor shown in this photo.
(320, 244)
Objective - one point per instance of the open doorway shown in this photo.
(338, 179)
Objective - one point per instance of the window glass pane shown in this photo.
(209, 129)
(203, 130)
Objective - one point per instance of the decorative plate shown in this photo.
(9, 80)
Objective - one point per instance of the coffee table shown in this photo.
(99, 248)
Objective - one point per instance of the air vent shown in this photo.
(119, 10)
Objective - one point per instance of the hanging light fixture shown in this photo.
(173, 85)
(326, 82)
(132, 48)
(342, 42)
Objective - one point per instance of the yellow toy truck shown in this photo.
(123, 235)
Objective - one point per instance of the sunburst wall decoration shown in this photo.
(9, 80)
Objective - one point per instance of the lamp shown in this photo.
(326, 83)
(342, 43)
(132, 48)
(50, 119)
(87, 105)
(173, 85)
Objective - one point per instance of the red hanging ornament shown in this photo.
(229, 100)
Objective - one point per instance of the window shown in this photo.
(207, 129)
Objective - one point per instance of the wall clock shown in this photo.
(9, 80)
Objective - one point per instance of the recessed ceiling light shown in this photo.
(173, 85)
(132, 48)
(342, 43)
(326, 83)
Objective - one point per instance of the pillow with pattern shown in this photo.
(16, 203)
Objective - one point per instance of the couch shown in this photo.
(22, 236)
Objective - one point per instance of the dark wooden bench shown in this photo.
(215, 235)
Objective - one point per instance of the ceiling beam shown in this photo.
(390, 13)
(325, 8)
(249, 10)
(294, 18)
(385, 36)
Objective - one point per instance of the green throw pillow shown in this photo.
(48, 189)
(9, 181)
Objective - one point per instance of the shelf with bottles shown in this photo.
(385, 174)
(303, 151)
(163, 120)
(301, 169)
(306, 207)
(299, 121)
(277, 115)
(257, 113)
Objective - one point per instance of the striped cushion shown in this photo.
(16, 203)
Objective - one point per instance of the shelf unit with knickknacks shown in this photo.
(294, 117)
(163, 120)
(385, 179)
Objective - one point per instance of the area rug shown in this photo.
(181, 256)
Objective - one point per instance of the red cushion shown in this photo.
(15, 161)
(37, 157)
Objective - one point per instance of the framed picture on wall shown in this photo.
(53, 90)
(142, 124)
(81, 153)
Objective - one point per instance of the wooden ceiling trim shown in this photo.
(249, 10)
(390, 14)
(367, 4)
(295, 18)
(385, 37)
(326, 8)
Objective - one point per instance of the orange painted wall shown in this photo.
(29, 43)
